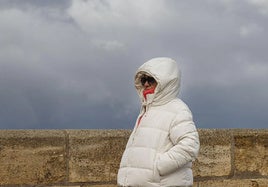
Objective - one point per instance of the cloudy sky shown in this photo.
(70, 64)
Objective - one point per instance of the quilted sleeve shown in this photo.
(184, 137)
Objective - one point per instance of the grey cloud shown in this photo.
(8, 4)
(63, 65)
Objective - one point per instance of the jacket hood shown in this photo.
(167, 75)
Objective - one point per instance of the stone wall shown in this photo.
(83, 158)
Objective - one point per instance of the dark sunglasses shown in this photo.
(145, 79)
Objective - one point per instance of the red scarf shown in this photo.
(146, 92)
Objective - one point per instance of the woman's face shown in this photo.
(148, 82)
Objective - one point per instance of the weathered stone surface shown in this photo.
(90, 158)
(95, 155)
(62, 186)
(215, 153)
(251, 152)
(234, 183)
(32, 157)
(103, 185)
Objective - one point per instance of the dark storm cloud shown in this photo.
(70, 64)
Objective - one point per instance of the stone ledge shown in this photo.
(71, 157)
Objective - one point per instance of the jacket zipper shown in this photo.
(139, 121)
(136, 127)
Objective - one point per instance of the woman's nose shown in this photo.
(146, 84)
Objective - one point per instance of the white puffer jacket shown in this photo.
(163, 145)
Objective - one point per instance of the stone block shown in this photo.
(251, 152)
(101, 185)
(62, 186)
(32, 157)
(234, 183)
(215, 153)
(95, 155)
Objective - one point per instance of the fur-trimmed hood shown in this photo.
(167, 74)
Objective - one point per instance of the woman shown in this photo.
(164, 141)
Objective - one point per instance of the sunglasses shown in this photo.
(145, 79)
